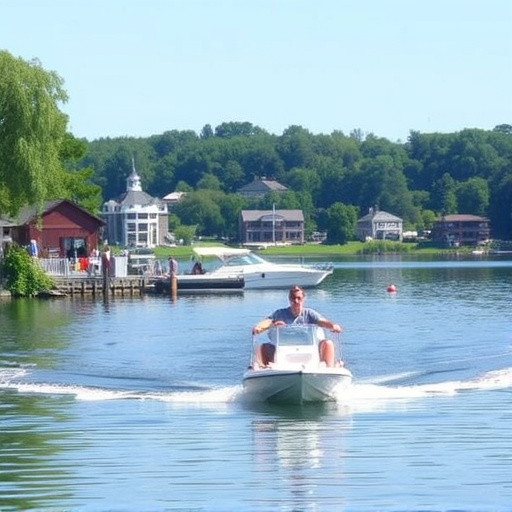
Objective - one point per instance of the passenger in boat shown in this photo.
(197, 268)
(295, 313)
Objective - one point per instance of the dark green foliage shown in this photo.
(464, 172)
(24, 277)
(342, 223)
(37, 154)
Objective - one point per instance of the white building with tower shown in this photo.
(135, 219)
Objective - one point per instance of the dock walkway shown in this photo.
(81, 285)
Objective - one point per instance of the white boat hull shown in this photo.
(294, 374)
(296, 386)
(279, 276)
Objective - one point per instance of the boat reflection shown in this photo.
(293, 442)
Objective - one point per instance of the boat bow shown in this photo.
(296, 375)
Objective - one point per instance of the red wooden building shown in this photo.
(62, 229)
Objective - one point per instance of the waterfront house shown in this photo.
(461, 229)
(271, 226)
(259, 187)
(379, 225)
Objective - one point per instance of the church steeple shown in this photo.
(133, 181)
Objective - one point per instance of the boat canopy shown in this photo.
(220, 252)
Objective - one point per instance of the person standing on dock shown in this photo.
(173, 265)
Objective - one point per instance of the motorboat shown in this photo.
(296, 375)
(260, 273)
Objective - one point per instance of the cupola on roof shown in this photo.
(133, 183)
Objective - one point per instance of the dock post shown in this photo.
(105, 269)
(173, 271)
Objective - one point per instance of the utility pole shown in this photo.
(274, 223)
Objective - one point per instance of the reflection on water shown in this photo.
(137, 404)
(29, 475)
(298, 443)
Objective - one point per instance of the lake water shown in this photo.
(136, 404)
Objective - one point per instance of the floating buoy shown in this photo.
(391, 288)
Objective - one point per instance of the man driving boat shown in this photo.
(295, 313)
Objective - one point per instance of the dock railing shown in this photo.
(58, 267)
(90, 267)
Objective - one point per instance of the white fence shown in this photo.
(62, 267)
(56, 266)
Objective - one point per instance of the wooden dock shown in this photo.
(78, 285)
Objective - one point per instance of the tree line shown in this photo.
(333, 178)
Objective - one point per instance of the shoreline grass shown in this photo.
(348, 249)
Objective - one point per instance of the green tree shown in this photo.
(296, 148)
(82, 191)
(233, 175)
(503, 128)
(181, 186)
(237, 129)
(207, 131)
(24, 277)
(202, 209)
(473, 196)
(79, 182)
(428, 219)
(32, 131)
(341, 223)
(230, 207)
(501, 207)
(303, 180)
(209, 182)
(443, 197)
(185, 234)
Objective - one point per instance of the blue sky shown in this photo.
(143, 67)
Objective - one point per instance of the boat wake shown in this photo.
(380, 390)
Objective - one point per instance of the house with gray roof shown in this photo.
(379, 225)
(271, 226)
(135, 219)
(259, 187)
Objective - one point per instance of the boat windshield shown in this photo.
(295, 334)
(244, 259)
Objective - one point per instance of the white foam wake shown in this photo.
(357, 394)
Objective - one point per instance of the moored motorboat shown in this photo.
(296, 375)
(259, 273)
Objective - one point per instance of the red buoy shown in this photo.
(391, 288)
